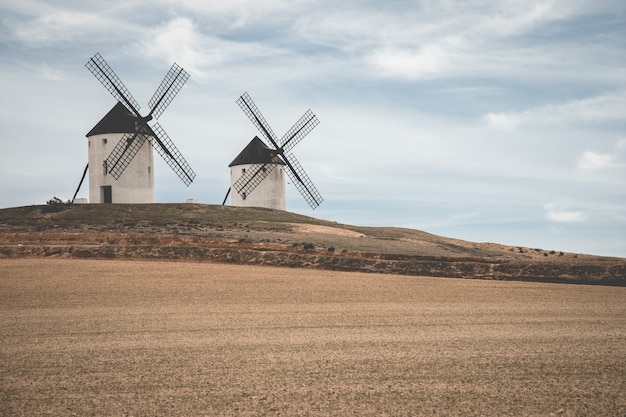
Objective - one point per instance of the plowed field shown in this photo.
(143, 338)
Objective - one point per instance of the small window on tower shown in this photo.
(243, 170)
(105, 165)
(104, 141)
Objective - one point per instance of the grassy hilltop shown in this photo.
(200, 232)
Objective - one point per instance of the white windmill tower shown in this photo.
(137, 183)
(257, 173)
(270, 191)
(120, 145)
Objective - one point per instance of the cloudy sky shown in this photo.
(491, 121)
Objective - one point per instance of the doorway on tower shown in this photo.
(106, 195)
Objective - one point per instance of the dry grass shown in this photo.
(256, 236)
(256, 225)
(164, 339)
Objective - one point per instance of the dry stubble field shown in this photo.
(121, 338)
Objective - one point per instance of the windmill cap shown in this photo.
(257, 153)
(118, 120)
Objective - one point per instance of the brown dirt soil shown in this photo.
(254, 236)
(153, 338)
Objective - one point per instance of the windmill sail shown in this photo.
(302, 182)
(124, 152)
(174, 80)
(172, 156)
(103, 72)
(131, 142)
(254, 176)
(253, 113)
(298, 131)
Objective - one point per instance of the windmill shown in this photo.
(271, 156)
(131, 138)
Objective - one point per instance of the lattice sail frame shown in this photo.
(254, 176)
(172, 156)
(255, 116)
(174, 80)
(303, 183)
(129, 145)
(104, 73)
(298, 131)
(124, 152)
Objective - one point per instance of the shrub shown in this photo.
(54, 205)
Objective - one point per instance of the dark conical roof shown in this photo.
(118, 120)
(257, 153)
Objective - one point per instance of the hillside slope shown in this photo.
(271, 237)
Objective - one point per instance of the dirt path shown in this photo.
(90, 337)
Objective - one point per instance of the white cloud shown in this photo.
(597, 109)
(410, 64)
(450, 39)
(207, 56)
(52, 74)
(503, 121)
(63, 26)
(515, 17)
(592, 161)
(561, 213)
(176, 41)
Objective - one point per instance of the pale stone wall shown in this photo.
(270, 193)
(136, 185)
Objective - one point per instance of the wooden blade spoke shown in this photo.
(253, 113)
(103, 72)
(171, 155)
(302, 182)
(174, 80)
(123, 153)
(253, 176)
(298, 131)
